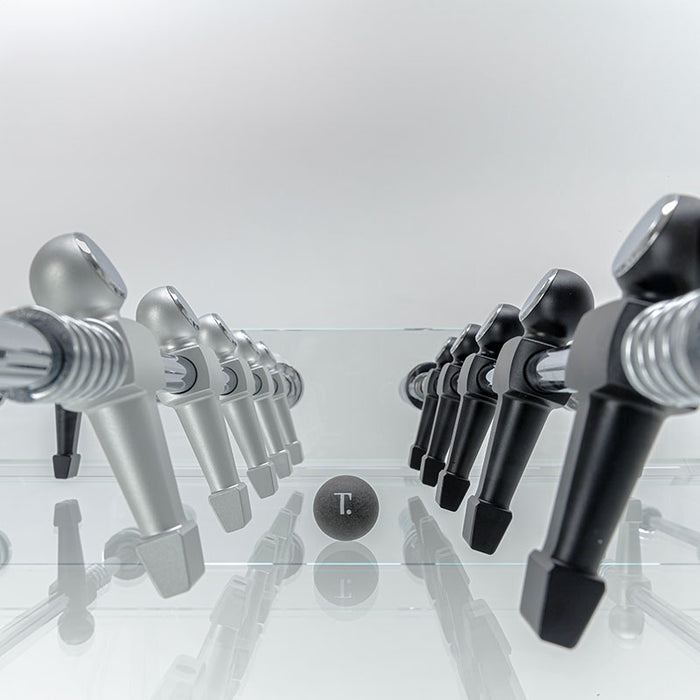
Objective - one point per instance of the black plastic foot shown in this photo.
(484, 525)
(558, 601)
(65, 466)
(430, 470)
(451, 490)
(66, 460)
(416, 457)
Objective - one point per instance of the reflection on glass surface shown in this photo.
(5, 550)
(346, 575)
(76, 585)
(653, 521)
(239, 616)
(476, 641)
(631, 591)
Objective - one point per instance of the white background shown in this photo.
(361, 163)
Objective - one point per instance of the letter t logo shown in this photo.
(343, 509)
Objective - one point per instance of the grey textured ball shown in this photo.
(346, 507)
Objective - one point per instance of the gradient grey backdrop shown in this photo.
(364, 163)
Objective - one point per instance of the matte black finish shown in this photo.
(66, 460)
(417, 452)
(431, 467)
(346, 507)
(550, 317)
(427, 416)
(614, 428)
(448, 405)
(669, 267)
(477, 404)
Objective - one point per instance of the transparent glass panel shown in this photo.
(406, 612)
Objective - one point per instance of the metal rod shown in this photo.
(660, 351)
(27, 360)
(26, 356)
(418, 386)
(547, 370)
(415, 389)
(180, 374)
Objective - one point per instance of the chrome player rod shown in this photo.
(660, 356)
(548, 369)
(30, 360)
(545, 372)
(26, 356)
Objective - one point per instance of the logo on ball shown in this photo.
(343, 510)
